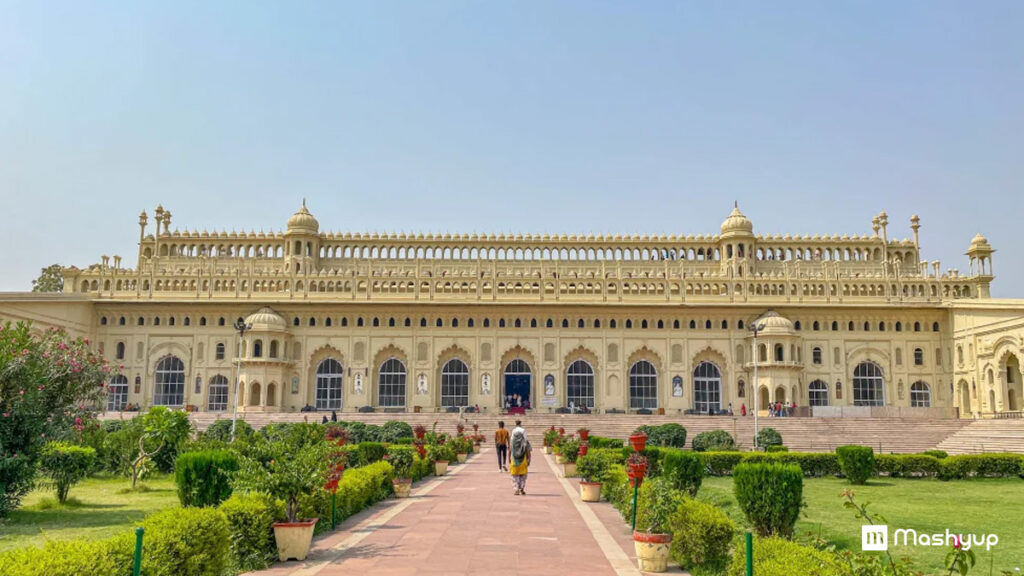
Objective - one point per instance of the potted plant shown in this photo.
(550, 436)
(419, 430)
(462, 447)
(584, 447)
(401, 459)
(652, 537)
(283, 470)
(591, 470)
(478, 440)
(638, 440)
(460, 428)
(584, 434)
(570, 453)
(439, 455)
(636, 465)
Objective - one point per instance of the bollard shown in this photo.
(750, 554)
(137, 567)
(334, 508)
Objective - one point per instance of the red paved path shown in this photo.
(470, 523)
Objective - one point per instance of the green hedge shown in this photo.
(185, 542)
(906, 465)
(251, 520)
(981, 466)
(204, 478)
(701, 534)
(770, 496)
(684, 470)
(421, 468)
(617, 491)
(714, 440)
(368, 453)
(393, 430)
(669, 435)
(779, 557)
(940, 454)
(856, 462)
(768, 437)
(109, 557)
(721, 463)
(594, 466)
(813, 464)
(778, 448)
(602, 442)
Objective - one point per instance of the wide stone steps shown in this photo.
(899, 435)
(986, 436)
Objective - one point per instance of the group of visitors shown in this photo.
(514, 453)
(516, 401)
(776, 410)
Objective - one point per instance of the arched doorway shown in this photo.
(272, 394)
(780, 394)
(965, 398)
(518, 380)
(1014, 384)
(991, 400)
(254, 394)
(762, 399)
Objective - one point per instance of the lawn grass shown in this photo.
(98, 507)
(928, 506)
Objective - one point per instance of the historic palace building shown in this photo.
(846, 325)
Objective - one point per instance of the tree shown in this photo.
(160, 428)
(66, 465)
(51, 279)
(46, 381)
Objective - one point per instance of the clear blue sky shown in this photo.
(523, 116)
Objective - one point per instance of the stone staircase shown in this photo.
(1003, 435)
(900, 435)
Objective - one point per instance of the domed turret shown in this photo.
(266, 320)
(737, 223)
(771, 324)
(303, 222)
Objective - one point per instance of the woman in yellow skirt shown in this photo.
(521, 452)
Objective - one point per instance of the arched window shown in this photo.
(816, 355)
(778, 352)
(868, 385)
(220, 351)
(935, 326)
(119, 354)
(170, 382)
(707, 388)
(117, 393)
(580, 384)
(741, 389)
(257, 349)
(391, 384)
(273, 348)
(920, 395)
(643, 385)
(328, 388)
(455, 383)
(918, 357)
(217, 399)
(817, 393)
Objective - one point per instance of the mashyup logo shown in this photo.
(875, 537)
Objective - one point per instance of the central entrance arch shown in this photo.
(518, 383)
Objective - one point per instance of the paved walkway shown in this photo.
(468, 522)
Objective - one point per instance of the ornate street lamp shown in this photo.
(755, 328)
(242, 328)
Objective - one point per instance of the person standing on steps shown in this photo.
(520, 458)
(501, 446)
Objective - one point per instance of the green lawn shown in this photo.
(928, 506)
(103, 507)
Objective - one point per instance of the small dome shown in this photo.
(979, 241)
(303, 221)
(266, 320)
(737, 223)
(771, 324)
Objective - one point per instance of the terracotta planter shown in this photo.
(583, 449)
(293, 538)
(590, 491)
(402, 487)
(652, 551)
(584, 434)
(569, 469)
(476, 448)
(638, 471)
(440, 468)
(461, 457)
(638, 442)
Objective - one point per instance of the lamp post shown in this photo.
(754, 329)
(242, 328)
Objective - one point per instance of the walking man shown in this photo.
(501, 446)
(520, 458)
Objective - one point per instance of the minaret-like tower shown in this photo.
(302, 242)
(980, 254)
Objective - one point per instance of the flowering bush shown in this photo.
(46, 381)
(284, 469)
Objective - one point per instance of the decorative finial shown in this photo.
(736, 204)
(303, 202)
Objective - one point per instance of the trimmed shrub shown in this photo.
(602, 442)
(401, 459)
(108, 557)
(856, 462)
(683, 470)
(981, 466)
(185, 542)
(779, 557)
(813, 464)
(66, 465)
(768, 437)
(593, 466)
(570, 448)
(906, 465)
(701, 534)
(714, 440)
(368, 453)
(770, 496)
(421, 468)
(251, 518)
(940, 454)
(221, 430)
(778, 448)
(617, 491)
(656, 502)
(204, 478)
(721, 463)
(669, 435)
(392, 430)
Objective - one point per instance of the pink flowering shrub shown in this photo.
(46, 381)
